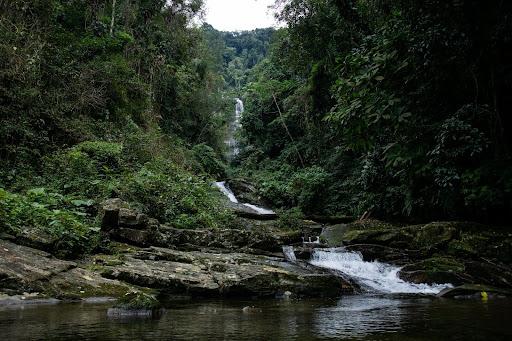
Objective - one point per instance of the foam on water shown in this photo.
(374, 276)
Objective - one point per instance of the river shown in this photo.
(365, 317)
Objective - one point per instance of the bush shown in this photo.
(291, 219)
(37, 212)
(173, 195)
(209, 161)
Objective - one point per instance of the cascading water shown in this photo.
(231, 142)
(289, 254)
(221, 185)
(373, 276)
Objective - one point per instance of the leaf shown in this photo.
(379, 78)
(82, 202)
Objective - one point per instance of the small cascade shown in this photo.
(289, 254)
(260, 210)
(221, 185)
(373, 276)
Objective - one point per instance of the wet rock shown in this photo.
(471, 289)
(372, 252)
(251, 310)
(245, 191)
(436, 270)
(233, 274)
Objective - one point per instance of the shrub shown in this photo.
(37, 212)
(209, 161)
(173, 195)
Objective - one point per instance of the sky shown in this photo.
(238, 15)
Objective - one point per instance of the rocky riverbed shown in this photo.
(145, 256)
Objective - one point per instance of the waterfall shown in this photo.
(373, 276)
(231, 142)
(289, 254)
(221, 185)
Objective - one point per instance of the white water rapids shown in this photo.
(373, 276)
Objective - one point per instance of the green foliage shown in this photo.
(401, 105)
(175, 196)
(51, 214)
(291, 219)
(209, 161)
(138, 300)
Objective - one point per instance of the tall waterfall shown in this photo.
(234, 125)
(372, 276)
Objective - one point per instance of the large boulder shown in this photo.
(215, 274)
(245, 191)
(114, 213)
(26, 269)
(108, 213)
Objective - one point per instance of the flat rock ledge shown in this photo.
(209, 274)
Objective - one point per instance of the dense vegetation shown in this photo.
(396, 109)
(106, 99)
(400, 109)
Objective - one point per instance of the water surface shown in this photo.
(357, 317)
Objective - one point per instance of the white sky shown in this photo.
(238, 15)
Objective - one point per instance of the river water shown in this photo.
(358, 317)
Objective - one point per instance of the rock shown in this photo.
(83, 284)
(247, 212)
(109, 213)
(470, 289)
(134, 313)
(434, 235)
(127, 217)
(132, 236)
(245, 191)
(233, 274)
(251, 310)
(334, 234)
(436, 270)
(228, 239)
(372, 252)
(26, 269)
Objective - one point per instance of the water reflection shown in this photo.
(352, 317)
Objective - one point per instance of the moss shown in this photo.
(439, 263)
(434, 234)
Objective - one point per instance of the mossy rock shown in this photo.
(137, 300)
(434, 234)
(435, 270)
